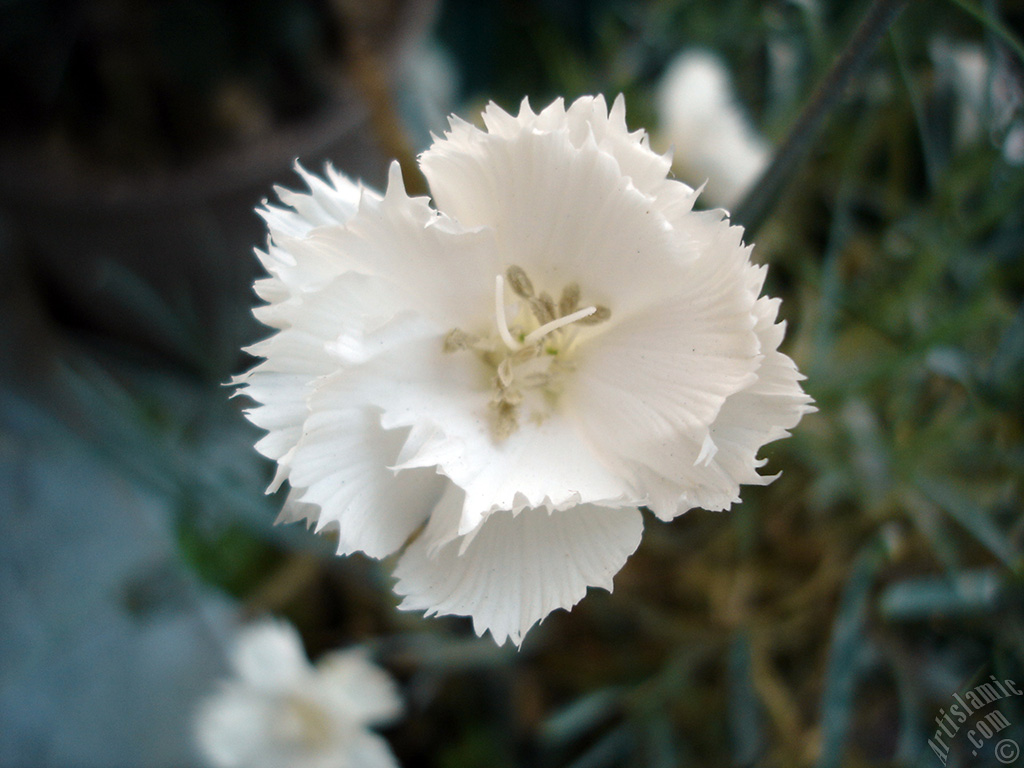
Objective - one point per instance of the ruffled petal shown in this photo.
(340, 316)
(587, 121)
(439, 269)
(295, 511)
(562, 213)
(648, 390)
(710, 476)
(588, 117)
(343, 466)
(446, 399)
(516, 569)
(328, 204)
(763, 412)
(631, 149)
(668, 369)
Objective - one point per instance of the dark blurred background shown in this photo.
(824, 621)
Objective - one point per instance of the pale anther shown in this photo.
(538, 379)
(554, 325)
(507, 396)
(506, 422)
(519, 282)
(542, 310)
(505, 372)
(569, 300)
(457, 339)
(524, 354)
(549, 306)
(499, 308)
(601, 314)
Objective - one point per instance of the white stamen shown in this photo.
(554, 325)
(499, 307)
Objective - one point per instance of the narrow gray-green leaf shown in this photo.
(975, 519)
(581, 716)
(745, 718)
(963, 594)
(848, 637)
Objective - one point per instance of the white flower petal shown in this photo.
(343, 465)
(542, 464)
(646, 169)
(269, 655)
(295, 511)
(352, 685)
(281, 412)
(517, 569)
(347, 309)
(758, 414)
(674, 365)
(648, 391)
(712, 138)
(545, 465)
(366, 750)
(231, 727)
(765, 410)
(433, 263)
(304, 270)
(587, 118)
(326, 204)
(562, 213)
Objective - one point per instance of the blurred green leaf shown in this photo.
(232, 559)
(932, 525)
(660, 745)
(974, 518)
(847, 642)
(1004, 380)
(579, 718)
(746, 725)
(611, 749)
(993, 25)
(967, 593)
(428, 651)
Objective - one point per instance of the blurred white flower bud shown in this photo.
(712, 139)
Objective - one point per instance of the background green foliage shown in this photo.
(828, 618)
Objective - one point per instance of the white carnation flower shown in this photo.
(280, 711)
(712, 139)
(560, 340)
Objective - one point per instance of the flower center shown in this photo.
(303, 723)
(528, 357)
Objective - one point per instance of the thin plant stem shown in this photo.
(758, 203)
(993, 25)
(931, 162)
(370, 77)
